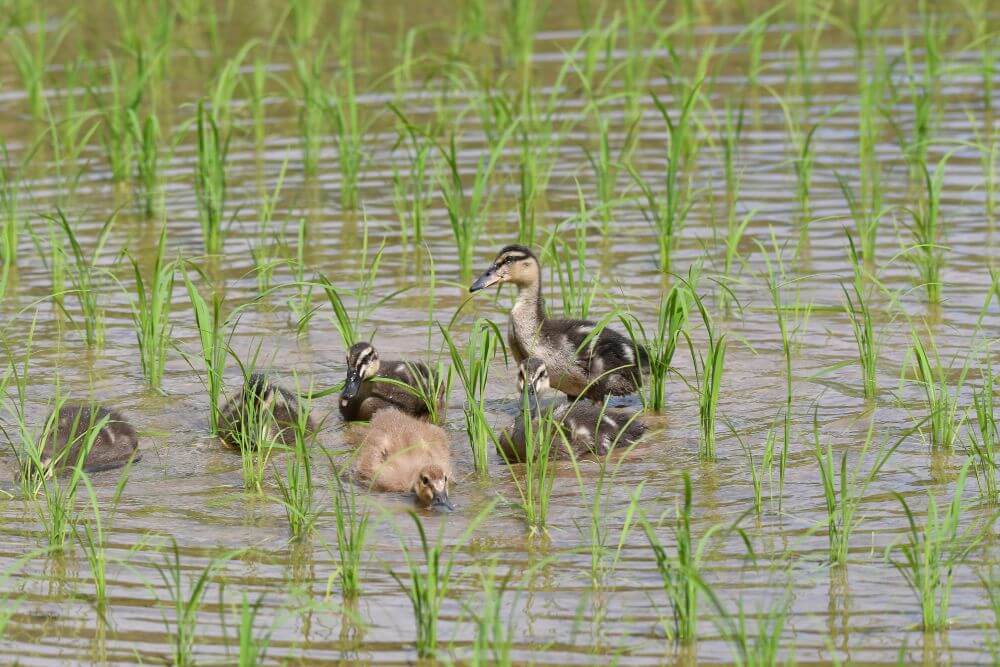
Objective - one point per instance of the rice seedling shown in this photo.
(927, 252)
(569, 264)
(494, 640)
(186, 600)
(680, 573)
(668, 211)
(708, 369)
(801, 141)
(117, 110)
(758, 471)
(301, 303)
(672, 316)
(520, 22)
(844, 490)
(93, 544)
(252, 648)
(305, 18)
(31, 52)
(984, 439)
(412, 194)
(473, 371)
(352, 534)
(932, 551)
(296, 488)
(349, 130)
(210, 321)
(467, 212)
(764, 645)
(944, 412)
(146, 135)
(210, 178)
(429, 583)
(256, 87)
(151, 312)
(311, 100)
(606, 166)
(10, 222)
(84, 275)
(860, 315)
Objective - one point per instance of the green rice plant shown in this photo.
(310, 98)
(116, 109)
(350, 125)
(32, 51)
(253, 649)
(859, 313)
(668, 211)
(151, 312)
(932, 551)
(256, 93)
(467, 212)
(146, 135)
(844, 490)
(708, 369)
(412, 194)
(473, 371)
(569, 264)
(430, 390)
(296, 487)
(10, 222)
(429, 583)
(606, 166)
(986, 144)
(210, 179)
(305, 19)
(521, 20)
(681, 573)
(802, 162)
(301, 303)
(210, 321)
(927, 252)
(352, 533)
(494, 639)
(763, 646)
(758, 471)
(672, 316)
(984, 440)
(84, 275)
(93, 544)
(186, 600)
(543, 436)
(944, 413)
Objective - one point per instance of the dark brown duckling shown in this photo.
(589, 428)
(365, 392)
(65, 444)
(262, 412)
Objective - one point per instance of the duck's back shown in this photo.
(394, 448)
(113, 444)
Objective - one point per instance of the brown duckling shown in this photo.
(589, 428)
(609, 364)
(401, 453)
(112, 440)
(365, 391)
(262, 412)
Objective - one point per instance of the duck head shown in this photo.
(362, 364)
(431, 488)
(532, 376)
(514, 264)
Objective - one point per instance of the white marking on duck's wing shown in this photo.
(607, 419)
(627, 352)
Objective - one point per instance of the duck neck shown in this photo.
(529, 307)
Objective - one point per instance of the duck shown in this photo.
(364, 394)
(609, 364)
(262, 411)
(400, 453)
(589, 428)
(68, 430)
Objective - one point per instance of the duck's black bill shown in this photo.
(441, 503)
(484, 281)
(351, 387)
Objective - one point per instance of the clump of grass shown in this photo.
(429, 583)
(932, 551)
(494, 638)
(758, 470)
(210, 178)
(146, 135)
(765, 644)
(984, 445)
(352, 533)
(927, 253)
(311, 99)
(858, 311)
(680, 573)
(210, 321)
(186, 600)
(473, 371)
(708, 369)
(10, 222)
(297, 488)
(349, 130)
(945, 415)
(569, 265)
(84, 273)
(412, 194)
(844, 490)
(151, 312)
(672, 316)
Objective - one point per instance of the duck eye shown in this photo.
(425, 479)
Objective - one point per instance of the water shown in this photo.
(189, 487)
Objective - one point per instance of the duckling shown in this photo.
(65, 443)
(589, 427)
(262, 411)
(401, 453)
(364, 394)
(609, 364)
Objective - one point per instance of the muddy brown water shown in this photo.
(189, 487)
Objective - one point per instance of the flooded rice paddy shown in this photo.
(392, 149)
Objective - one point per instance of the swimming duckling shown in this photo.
(590, 428)
(364, 394)
(261, 412)
(401, 453)
(609, 364)
(65, 443)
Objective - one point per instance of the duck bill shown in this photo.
(351, 387)
(441, 502)
(488, 279)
